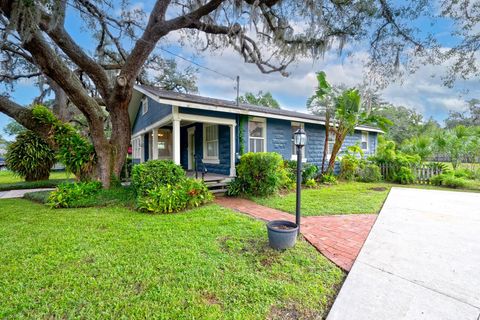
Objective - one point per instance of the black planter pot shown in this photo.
(282, 234)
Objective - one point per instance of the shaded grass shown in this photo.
(342, 198)
(207, 263)
(9, 181)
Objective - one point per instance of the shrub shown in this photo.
(310, 183)
(449, 180)
(170, 198)
(348, 167)
(369, 173)
(30, 157)
(452, 181)
(261, 174)
(155, 173)
(464, 173)
(328, 178)
(309, 172)
(404, 176)
(67, 193)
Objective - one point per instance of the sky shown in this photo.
(422, 91)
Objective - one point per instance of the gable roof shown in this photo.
(191, 100)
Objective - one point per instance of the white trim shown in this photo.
(157, 124)
(144, 105)
(206, 119)
(176, 141)
(232, 151)
(238, 111)
(206, 158)
(155, 144)
(368, 141)
(257, 119)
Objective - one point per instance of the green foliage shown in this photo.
(457, 143)
(449, 180)
(260, 99)
(30, 157)
(261, 174)
(464, 173)
(67, 193)
(309, 170)
(421, 146)
(188, 193)
(404, 175)
(161, 186)
(310, 183)
(127, 169)
(74, 151)
(369, 173)
(328, 178)
(155, 173)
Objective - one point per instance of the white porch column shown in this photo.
(176, 135)
(232, 150)
(155, 144)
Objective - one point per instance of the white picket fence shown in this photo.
(423, 172)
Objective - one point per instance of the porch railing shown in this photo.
(199, 163)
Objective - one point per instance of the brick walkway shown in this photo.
(337, 237)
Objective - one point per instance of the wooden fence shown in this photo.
(423, 172)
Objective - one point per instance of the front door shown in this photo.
(191, 149)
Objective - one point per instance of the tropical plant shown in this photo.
(421, 146)
(454, 143)
(348, 113)
(67, 193)
(30, 157)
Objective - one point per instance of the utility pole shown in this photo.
(238, 90)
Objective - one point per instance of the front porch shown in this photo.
(192, 141)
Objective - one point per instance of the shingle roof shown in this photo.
(185, 97)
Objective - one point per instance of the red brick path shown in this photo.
(338, 237)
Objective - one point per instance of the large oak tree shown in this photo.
(271, 34)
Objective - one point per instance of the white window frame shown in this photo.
(365, 134)
(169, 143)
(294, 147)
(329, 150)
(144, 105)
(264, 133)
(137, 148)
(206, 158)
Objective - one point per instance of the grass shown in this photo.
(101, 263)
(9, 181)
(342, 198)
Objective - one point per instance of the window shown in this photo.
(365, 140)
(210, 143)
(164, 144)
(144, 105)
(137, 148)
(256, 134)
(331, 142)
(295, 127)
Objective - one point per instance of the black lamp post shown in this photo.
(300, 139)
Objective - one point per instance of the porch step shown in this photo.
(217, 187)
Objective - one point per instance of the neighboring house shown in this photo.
(185, 127)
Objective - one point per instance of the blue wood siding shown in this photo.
(208, 113)
(156, 112)
(279, 137)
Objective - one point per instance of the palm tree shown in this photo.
(343, 113)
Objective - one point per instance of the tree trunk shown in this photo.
(339, 138)
(325, 145)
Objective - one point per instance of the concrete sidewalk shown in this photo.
(420, 261)
(20, 193)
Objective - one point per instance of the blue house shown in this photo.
(191, 129)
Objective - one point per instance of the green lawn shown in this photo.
(101, 263)
(342, 198)
(9, 181)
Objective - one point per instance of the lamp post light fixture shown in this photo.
(300, 139)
